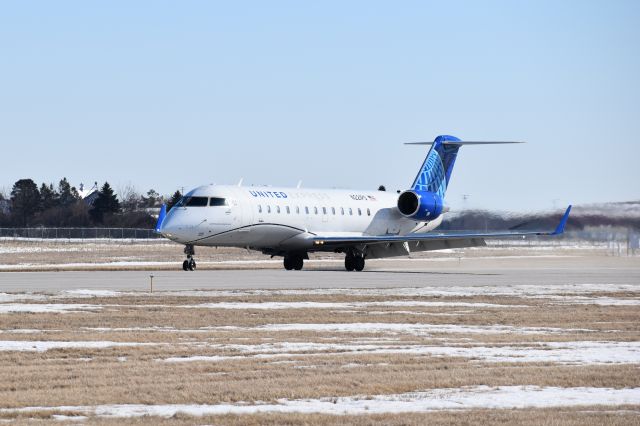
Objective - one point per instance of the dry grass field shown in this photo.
(565, 356)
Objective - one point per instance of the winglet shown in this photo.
(161, 216)
(560, 228)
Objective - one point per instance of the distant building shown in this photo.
(88, 195)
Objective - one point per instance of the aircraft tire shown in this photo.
(192, 265)
(298, 263)
(185, 265)
(358, 263)
(349, 263)
(288, 264)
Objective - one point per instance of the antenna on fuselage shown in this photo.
(240, 181)
(299, 184)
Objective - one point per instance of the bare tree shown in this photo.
(130, 198)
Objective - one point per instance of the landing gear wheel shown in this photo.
(190, 263)
(288, 263)
(349, 263)
(359, 263)
(298, 263)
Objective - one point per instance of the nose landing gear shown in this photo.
(190, 263)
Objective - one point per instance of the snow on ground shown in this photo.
(38, 249)
(140, 242)
(345, 305)
(421, 329)
(89, 293)
(59, 308)
(448, 399)
(602, 301)
(574, 353)
(567, 292)
(14, 297)
(62, 418)
(416, 329)
(465, 291)
(39, 266)
(43, 346)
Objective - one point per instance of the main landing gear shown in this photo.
(190, 263)
(293, 261)
(354, 262)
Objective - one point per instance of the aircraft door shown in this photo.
(234, 211)
(242, 209)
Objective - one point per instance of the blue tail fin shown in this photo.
(436, 170)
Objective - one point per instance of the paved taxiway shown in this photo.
(387, 273)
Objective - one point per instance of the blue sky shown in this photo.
(167, 95)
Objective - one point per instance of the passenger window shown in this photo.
(268, 209)
(350, 211)
(297, 209)
(324, 210)
(359, 212)
(368, 212)
(216, 202)
(306, 210)
(288, 210)
(315, 210)
(333, 211)
(342, 211)
(278, 209)
(259, 208)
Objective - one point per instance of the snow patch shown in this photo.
(63, 418)
(570, 353)
(24, 331)
(344, 305)
(416, 329)
(14, 297)
(45, 345)
(448, 399)
(90, 293)
(58, 308)
(464, 291)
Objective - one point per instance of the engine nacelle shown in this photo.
(420, 205)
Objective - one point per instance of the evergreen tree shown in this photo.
(48, 196)
(106, 203)
(68, 194)
(177, 196)
(25, 201)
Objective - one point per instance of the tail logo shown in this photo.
(432, 176)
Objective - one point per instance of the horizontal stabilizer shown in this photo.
(459, 143)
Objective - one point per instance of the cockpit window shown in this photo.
(192, 202)
(215, 202)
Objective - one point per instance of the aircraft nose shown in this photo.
(171, 228)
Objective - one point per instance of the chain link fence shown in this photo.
(87, 233)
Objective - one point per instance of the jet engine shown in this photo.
(420, 205)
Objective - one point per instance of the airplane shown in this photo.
(293, 222)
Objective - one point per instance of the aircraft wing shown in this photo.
(434, 236)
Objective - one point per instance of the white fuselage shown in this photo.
(278, 220)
